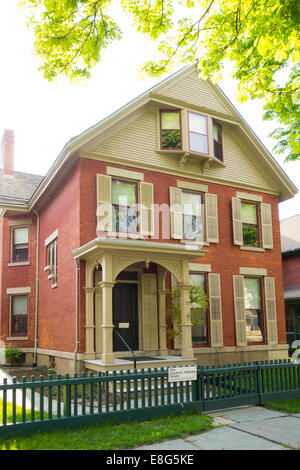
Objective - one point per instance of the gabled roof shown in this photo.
(70, 151)
(18, 187)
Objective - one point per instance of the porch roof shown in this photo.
(99, 246)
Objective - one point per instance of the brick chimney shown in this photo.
(7, 152)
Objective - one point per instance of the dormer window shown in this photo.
(170, 129)
(217, 138)
(198, 136)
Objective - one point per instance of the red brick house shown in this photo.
(172, 189)
(290, 247)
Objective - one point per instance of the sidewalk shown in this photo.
(245, 428)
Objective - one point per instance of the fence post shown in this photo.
(258, 383)
(197, 387)
(67, 398)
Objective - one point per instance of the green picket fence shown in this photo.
(50, 403)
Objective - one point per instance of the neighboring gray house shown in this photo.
(290, 248)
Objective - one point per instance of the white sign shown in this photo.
(182, 374)
(295, 357)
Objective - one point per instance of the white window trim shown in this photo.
(121, 173)
(253, 271)
(197, 267)
(51, 237)
(16, 222)
(249, 196)
(18, 290)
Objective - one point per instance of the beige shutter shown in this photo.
(237, 221)
(149, 303)
(215, 310)
(104, 207)
(176, 213)
(239, 310)
(266, 225)
(270, 301)
(211, 218)
(146, 209)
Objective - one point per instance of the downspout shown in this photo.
(76, 310)
(36, 287)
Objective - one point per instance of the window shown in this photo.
(20, 245)
(199, 331)
(193, 226)
(217, 139)
(124, 202)
(19, 317)
(253, 310)
(290, 320)
(250, 224)
(52, 259)
(170, 129)
(198, 137)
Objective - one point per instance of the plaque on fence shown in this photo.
(182, 374)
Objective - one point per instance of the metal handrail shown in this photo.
(127, 346)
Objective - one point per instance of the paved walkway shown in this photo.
(245, 428)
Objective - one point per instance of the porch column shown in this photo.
(187, 351)
(162, 312)
(107, 285)
(89, 313)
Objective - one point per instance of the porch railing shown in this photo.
(46, 404)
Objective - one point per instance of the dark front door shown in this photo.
(125, 315)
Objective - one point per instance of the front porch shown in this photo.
(144, 363)
(125, 291)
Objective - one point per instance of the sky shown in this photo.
(45, 115)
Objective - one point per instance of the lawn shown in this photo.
(9, 416)
(289, 406)
(113, 436)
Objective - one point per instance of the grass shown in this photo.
(9, 417)
(113, 436)
(289, 406)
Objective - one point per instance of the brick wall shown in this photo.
(72, 210)
(225, 257)
(291, 271)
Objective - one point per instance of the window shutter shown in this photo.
(237, 221)
(104, 207)
(271, 319)
(176, 213)
(211, 218)
(266, 225)
(239, 310)
(146, 209)
(149, 302)
(215, 310)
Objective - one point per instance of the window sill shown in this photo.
(19, 263)
(17, 338)
(252, 248)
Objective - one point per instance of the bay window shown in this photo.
(198, 134)
(170, 124)
(217, 139)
